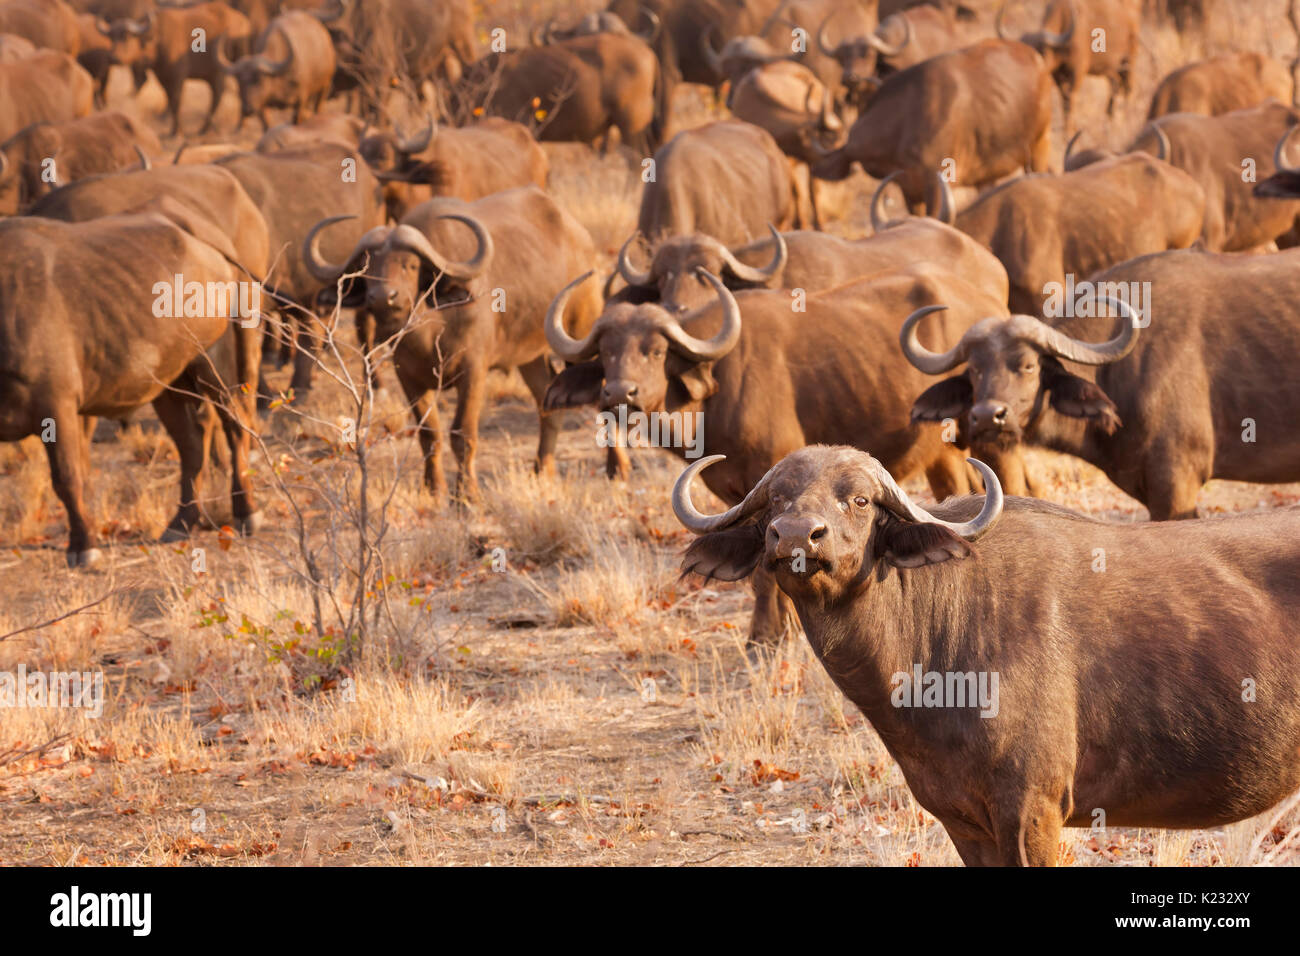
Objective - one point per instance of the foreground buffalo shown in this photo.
(486, 157)
(1018, 690)
(91, 327)
(761, 387)
(1083, 221)
(979, 113)
(46, 155)
(450, 321)
(1207, 391)
(727, 179)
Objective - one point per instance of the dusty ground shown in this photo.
(535, 687)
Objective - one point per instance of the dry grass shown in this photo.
(572, 702)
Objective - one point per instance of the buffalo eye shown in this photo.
(860, 501)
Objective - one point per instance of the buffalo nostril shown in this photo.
(1000, 415)
(817, 533)
(631, 391)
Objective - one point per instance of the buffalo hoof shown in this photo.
(173, 534)
(84, 559)
(249, 524)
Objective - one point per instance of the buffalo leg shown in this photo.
(235, 418)
(173, 89)
(537, 376)
(774, 615)
(471, 393)
(189, 429)
(947, 477)
(1009, 465)
(618, 466)
(1172, 493)
(218, 86)
(424, 406)
(69, 456)
(365, 323)
(305, 356)
(974, 851)
(1040, 155)
(1071, 88)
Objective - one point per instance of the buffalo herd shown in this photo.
(1128, 295)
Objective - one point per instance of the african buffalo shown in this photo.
(293, 67)
(772, 382)
(977, 114)
(211, 195)
(15, 48)
(1285, 181)
(897, 42)
(559, 94)
(449, 322)
(682, 27)
(471, 162)
(46, 155)
(380, 42)
(1082, 222)
(1226, 154)
(295, 188)
(50, 24)
(323, 127)
(812, 261)
(726, 179)
(1160, 412)
(43, 88)
(101, 321)
(1221, 84)
(180, 44)
(1019, 689)
(1079, 38)
(787, 100)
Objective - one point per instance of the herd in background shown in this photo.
(730, 302)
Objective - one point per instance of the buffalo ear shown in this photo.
(726, 555)
(950, 398)
(426, 174)
(354, 295)
(909, 544)
(1281, 185)
(694, 383)
(577, 385)
(1079, 398)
